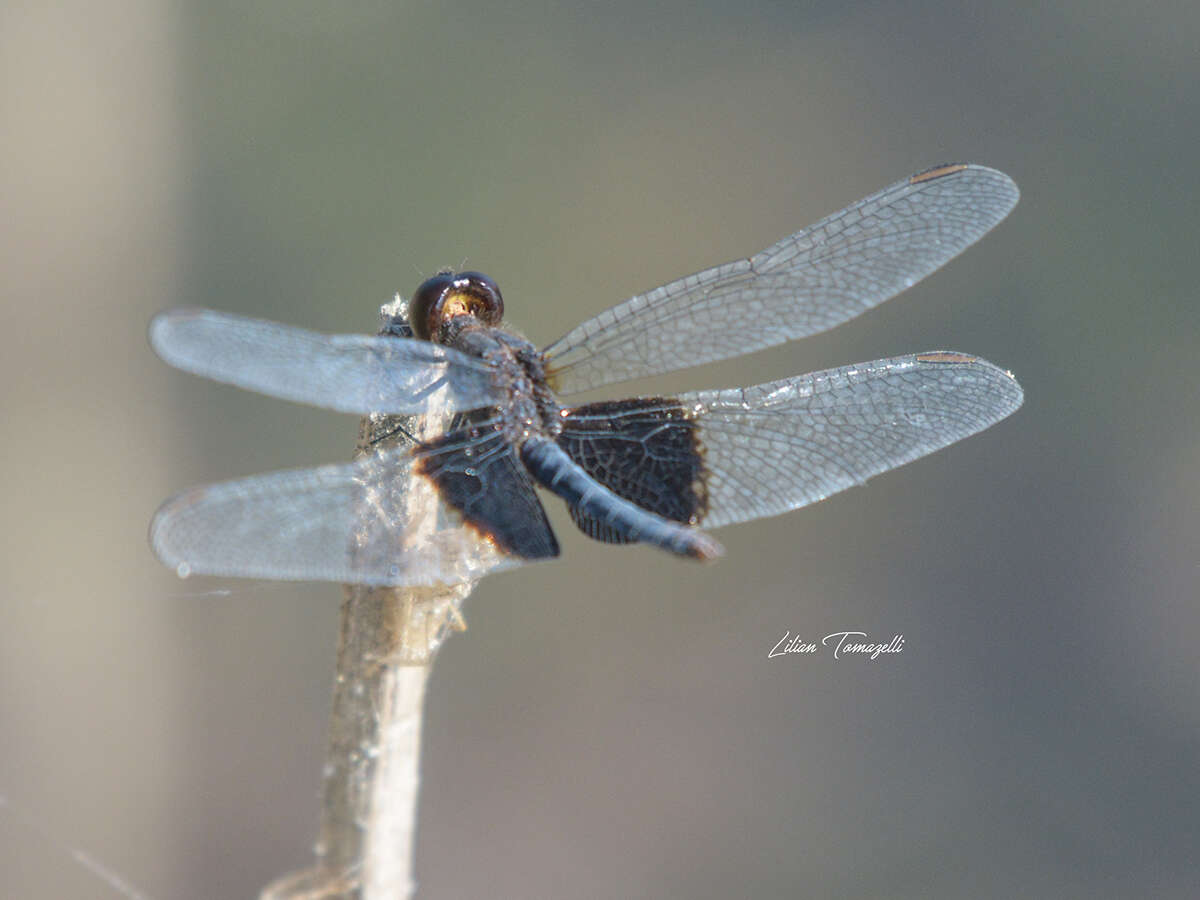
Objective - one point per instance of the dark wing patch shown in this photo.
(644, 450)
(479, 474)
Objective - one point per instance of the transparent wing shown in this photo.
(806, 283)
(367, 522)
(345, 372)
(778, 446)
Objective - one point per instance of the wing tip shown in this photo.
(161, 526)
(166, 329)
(159, 330)
(948, 170)
(1003, 377)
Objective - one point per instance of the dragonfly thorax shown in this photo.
(528, 406)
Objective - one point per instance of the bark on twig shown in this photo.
(371, 775)
(389, 637)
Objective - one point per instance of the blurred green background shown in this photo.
(610, 725)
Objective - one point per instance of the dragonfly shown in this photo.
(481, 418)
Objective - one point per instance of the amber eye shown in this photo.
(447, 295)
(486, 292)
(425, 306)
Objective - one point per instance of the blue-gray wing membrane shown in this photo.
(806, 283)
(345, 372)
(781, 445)
(367, 522)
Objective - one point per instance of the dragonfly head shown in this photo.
(448, 295)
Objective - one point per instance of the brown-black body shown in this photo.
(587, 455)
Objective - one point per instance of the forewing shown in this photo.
(778, 446)
(345, 372)
(806, 283)
(368, 522)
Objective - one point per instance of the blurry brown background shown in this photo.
(610, 725)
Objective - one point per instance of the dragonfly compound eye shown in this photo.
(447, 295)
